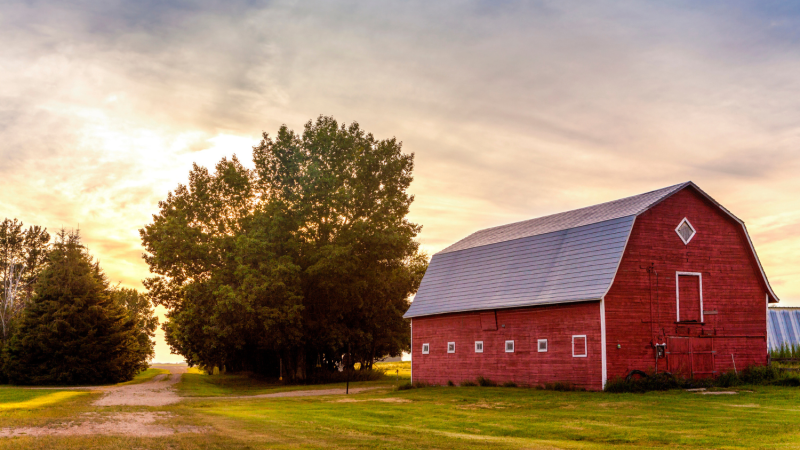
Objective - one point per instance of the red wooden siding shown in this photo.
(525, 326)
(641, 307)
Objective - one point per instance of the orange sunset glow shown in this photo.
(513, 110)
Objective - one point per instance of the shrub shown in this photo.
(727, 379)
(653, 382)
(759, 375)
(414, 385)
(468, 383)
(509, 384)
(791, 381)
(485, 382)
(561, 386)
(450, 383)
(753, 375)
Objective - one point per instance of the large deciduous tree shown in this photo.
(23, 253)
(140, 310)
(73, 331)
(302, 259)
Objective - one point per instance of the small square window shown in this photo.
(579, 346)
(509, 346)
(478, 346)
(451, 347)
(426, 348)
(542, 345)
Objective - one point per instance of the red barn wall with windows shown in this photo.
(733, 291)
(525, 326)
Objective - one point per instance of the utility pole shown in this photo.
(349, 358)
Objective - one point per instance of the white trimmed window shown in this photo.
(426, 348)
(451, 347)
(579, 346)
(689, 296)
(542, 345)
(509, 346)
(686, 231)
(478, 346)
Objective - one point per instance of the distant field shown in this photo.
(395, 369)
(146, 375)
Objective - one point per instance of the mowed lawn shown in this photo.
(477, 417)
(436, 417)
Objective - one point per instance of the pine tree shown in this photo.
(73, 331)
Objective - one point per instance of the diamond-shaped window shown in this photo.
(686, 231)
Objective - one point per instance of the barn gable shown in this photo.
(562, 258)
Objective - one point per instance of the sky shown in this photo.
(513, 110)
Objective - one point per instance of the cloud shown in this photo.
(513, 109)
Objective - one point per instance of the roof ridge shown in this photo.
(568, 219)
(590, 206)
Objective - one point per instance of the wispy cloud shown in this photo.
(514, 109)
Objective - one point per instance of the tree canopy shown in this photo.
(23, 253)
(304, 258)
(73, 331)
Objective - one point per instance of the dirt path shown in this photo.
(159, 391)
(143, 424)
(156, 392)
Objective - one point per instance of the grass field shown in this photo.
(440, 417)
(396, 370)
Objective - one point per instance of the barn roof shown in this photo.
(567, 257)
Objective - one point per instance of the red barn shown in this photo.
(666, 280)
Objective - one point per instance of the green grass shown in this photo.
(517, 418)
(40, 401)
(440, 417)
(145, 375)
(11, 398)
(196, 383)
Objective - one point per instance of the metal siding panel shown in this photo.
(783, 326)
(793, 319)
(787, 325)
(774, 336)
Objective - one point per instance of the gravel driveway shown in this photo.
(156, 392)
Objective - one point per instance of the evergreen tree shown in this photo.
(73, 332)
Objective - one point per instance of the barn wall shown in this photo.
(526, 366)
(734, 297)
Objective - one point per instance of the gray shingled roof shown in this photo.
(625, 207)
(567, 257)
